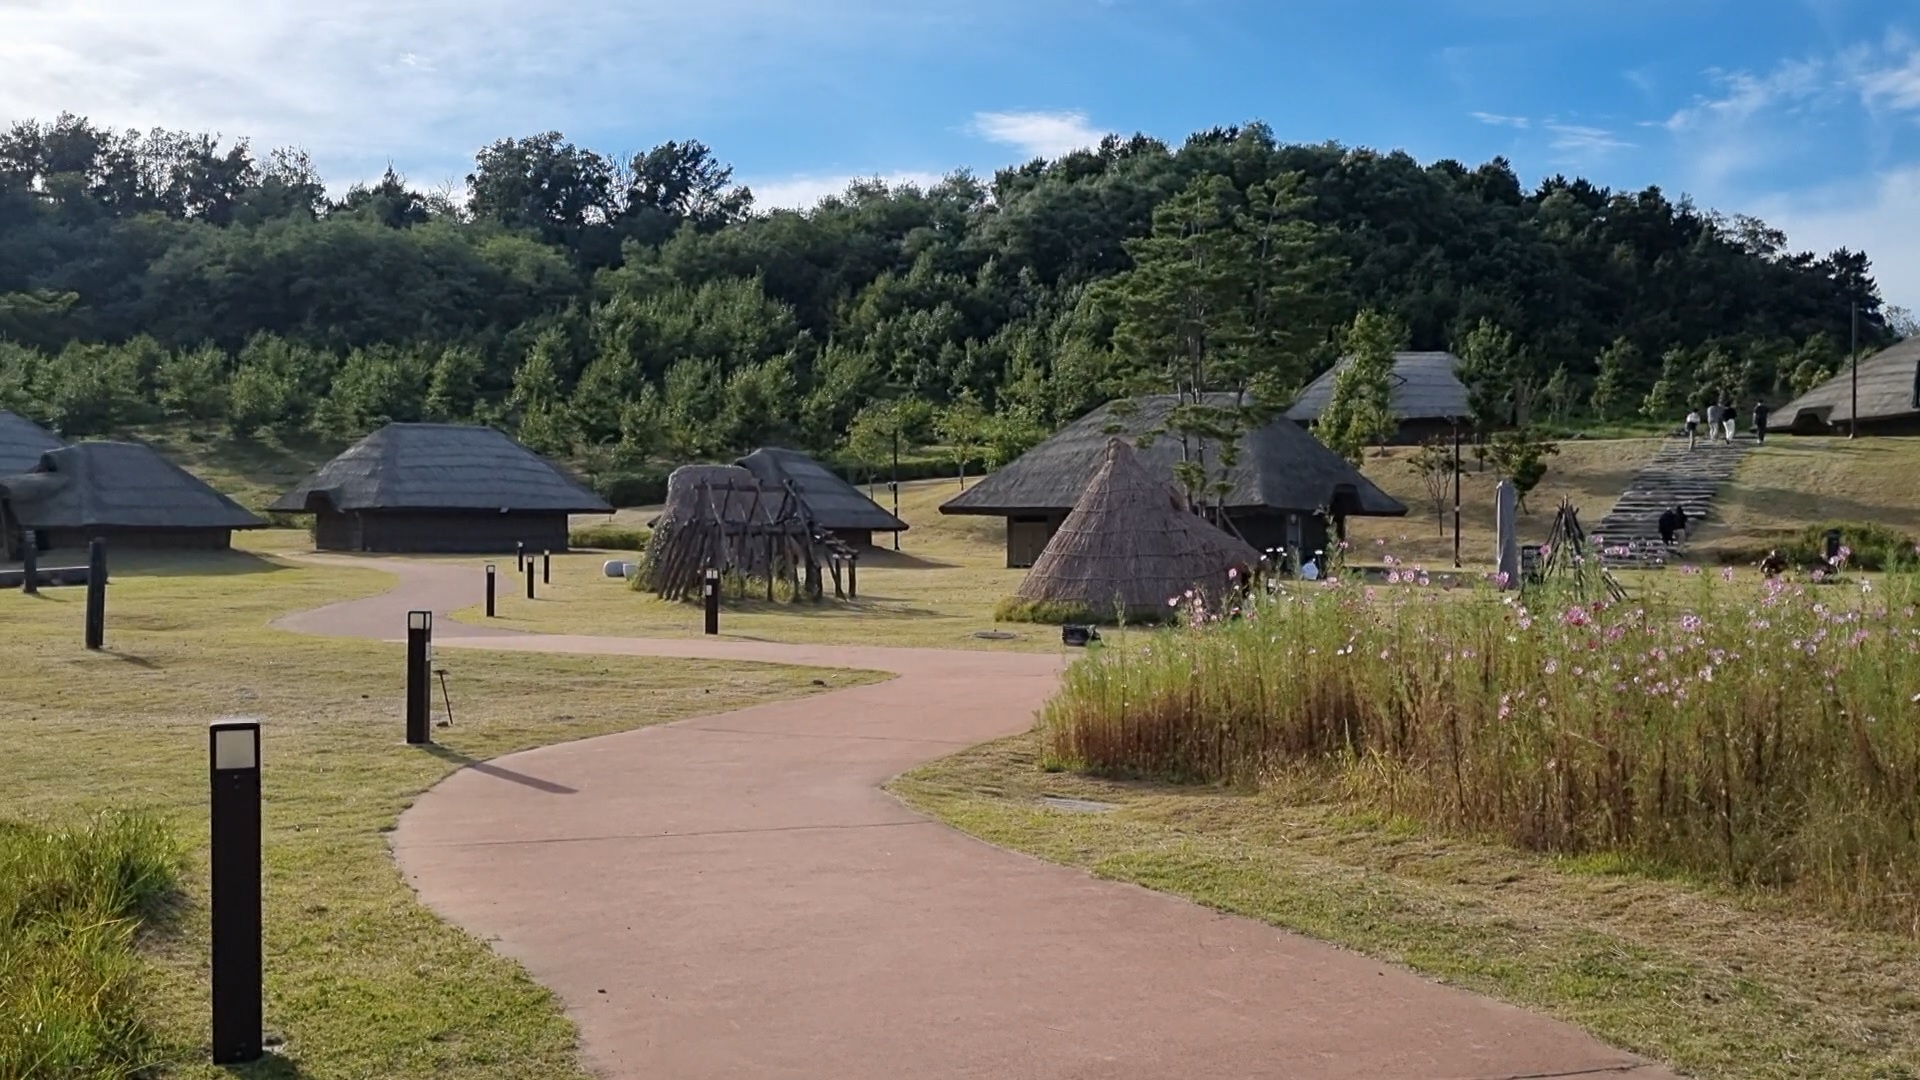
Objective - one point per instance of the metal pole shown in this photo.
(711, 594)
(546, 568)
(491, 575)
(419, 678)
(529, 579)
(1853, 351)
(233, 760)
(519, 555)
(896, 478)
(97, 594)
(1455, 462)
(30, 562)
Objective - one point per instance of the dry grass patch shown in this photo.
(362, 981)
(1718, 985)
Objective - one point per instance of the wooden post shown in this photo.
(97, 594)
(853, 578)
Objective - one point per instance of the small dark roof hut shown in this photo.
(726, 518)
(1889, 396)
(22, 442)
(127, 493)
(834, 504)
(440, 487)
(1130, 544)
(1427, 394)
(1282, 480)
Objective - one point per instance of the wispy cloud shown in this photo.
(1038, 134)
(356, 81)
(1895, 83)
(805, 192)
(1580, 143)
(1880, 216)
(1497, 120)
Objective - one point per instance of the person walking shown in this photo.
(1714, 417)
(1760, 414)
(1727, 416)
(1693, 428)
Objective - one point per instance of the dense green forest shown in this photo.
(641, 311)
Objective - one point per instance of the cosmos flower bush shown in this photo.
(1757, 731)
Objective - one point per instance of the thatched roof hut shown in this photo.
(1281, 483)
(126, 493)
(836, 505)
(1889, 395)
(22, 442)
(1130, 544)
(1427, 395)
(440, 487)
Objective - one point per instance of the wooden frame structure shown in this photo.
(725, 518)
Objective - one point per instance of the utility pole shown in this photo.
(1456, 494)
(1853, 353)
(896, 477)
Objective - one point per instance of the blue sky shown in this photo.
(1805, 112)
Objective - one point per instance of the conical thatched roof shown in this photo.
(834, 503)
(440, 467)
(1128, 543)
(1425, 386)
(22, 442)
(1280, 467)
(727, 494)
(1889, 390)
(119, 485)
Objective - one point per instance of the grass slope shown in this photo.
(361, 979)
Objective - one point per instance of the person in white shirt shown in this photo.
(1693, 428)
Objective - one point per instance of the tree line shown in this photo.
(645, 310)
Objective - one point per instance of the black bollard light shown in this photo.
(97, 594)
(419, 678)
(233, 752)
(491, 575)
(30, 563)
(519, 555)
(712, 597)
(529, 579)
(546, 568)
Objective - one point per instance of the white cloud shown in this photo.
(1880, 217)
(1038, 134)
(426, 82)
(1498, 120)
(1894, 84)
(805, 192)
(1580, 144)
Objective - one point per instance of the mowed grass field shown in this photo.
(362, 981)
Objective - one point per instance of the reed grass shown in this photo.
(1756, 732)
(72, 900)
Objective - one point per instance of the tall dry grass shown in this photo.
(1757, 732)
(71, 902)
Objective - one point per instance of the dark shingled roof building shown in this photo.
(1427, 397)
(1889, 396)
(1280, 484)
(125, 493)
(22, 442)
(835, 504)
(440, 488)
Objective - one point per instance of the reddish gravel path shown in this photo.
(734, 896)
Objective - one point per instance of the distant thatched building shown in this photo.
(124, 493)
(834, 504)
(1889, 396)
(22, 442)
(1281, 483)
(439, 487)
(1130, 544)
(1427, 398)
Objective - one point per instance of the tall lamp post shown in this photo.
(1853, 355)
(1456, 494)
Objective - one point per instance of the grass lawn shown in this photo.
(1720, 987)
(936, 592)
(1791, 483)
(362, 981)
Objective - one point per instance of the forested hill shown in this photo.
(645, 308)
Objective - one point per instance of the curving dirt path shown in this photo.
(734, 896)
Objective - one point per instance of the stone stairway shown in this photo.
(1629, 535)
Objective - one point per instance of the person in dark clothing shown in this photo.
(1760, 413)
(1672, 522)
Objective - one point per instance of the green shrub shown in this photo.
(610, 537)
(1871, 547)
(71, 901)
(1060, 613)
(638, 486)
